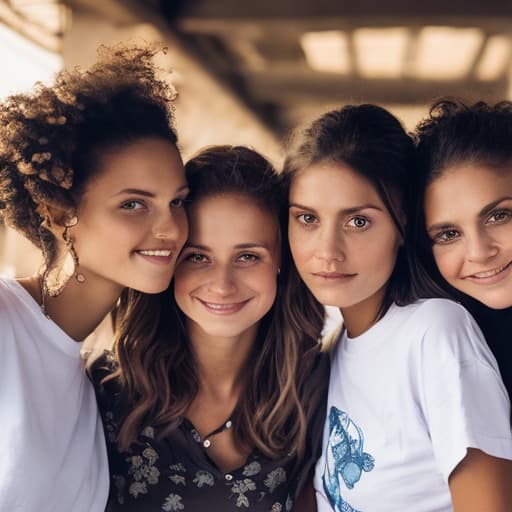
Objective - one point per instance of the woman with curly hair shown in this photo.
(465, 213)
(90, 173)
(207, 406)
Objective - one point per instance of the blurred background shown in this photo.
(248, 72)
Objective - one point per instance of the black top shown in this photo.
(176, 473)
(497, 328)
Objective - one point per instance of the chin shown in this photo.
(495, 302)
(151, 288)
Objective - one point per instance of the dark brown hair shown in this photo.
(156, 372)
(52, 138)
(455, 133)
(375, 145)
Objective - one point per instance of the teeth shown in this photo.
(491, 273)
(156, 253)
(219, 306)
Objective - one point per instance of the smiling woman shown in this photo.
(209, 408)
(417, 411)
(90, 173)
(464, 217)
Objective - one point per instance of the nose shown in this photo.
(222, 282)
(171, 226)
(480, 246)
(330, 245)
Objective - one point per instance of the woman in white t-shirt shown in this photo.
(417, 414)
(90, 173)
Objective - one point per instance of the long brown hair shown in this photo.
(156, 372)
(374, 144)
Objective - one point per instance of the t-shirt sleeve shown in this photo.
(464, 400)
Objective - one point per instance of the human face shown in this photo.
(468, 212)
(226, 279)
(132, 223)
(342, 237)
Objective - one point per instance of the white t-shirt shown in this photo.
(52, 449)
(406, 400)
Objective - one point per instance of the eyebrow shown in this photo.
(145, 193)
(482, 213)
(251, 245)
(486, 209)
(344, 211)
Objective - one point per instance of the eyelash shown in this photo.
(367, 222)
(245, 258)
(506, 213)
(133, 201)
(251, 257)
(301, 219)
(196, 257)
(181, 202)
(441, 239)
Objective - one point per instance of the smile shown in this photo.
(155, 253)
(157, 256)
(489, 276)
(223, 308)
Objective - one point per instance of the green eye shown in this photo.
(132, 205)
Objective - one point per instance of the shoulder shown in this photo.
(437, 316)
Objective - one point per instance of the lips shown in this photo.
(158, 256)
(490, 277)
(489, 273)
(227, 308)
(333, 275)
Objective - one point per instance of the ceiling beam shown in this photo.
(304, 86)
(342, 8)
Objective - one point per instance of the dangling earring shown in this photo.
(54, 280)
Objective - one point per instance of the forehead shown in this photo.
(231, 217)
(149, 163)
(332, 184)
(463, 190)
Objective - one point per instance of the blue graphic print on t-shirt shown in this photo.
(345, 459)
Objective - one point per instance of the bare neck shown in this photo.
(360, 317)
(79, 309)
(221, 361)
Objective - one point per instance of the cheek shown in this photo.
(184, 281)
(299, 246)
(265, 281)
(447, 261)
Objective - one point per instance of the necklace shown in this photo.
(225, 426)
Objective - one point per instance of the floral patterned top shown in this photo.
(176, 473)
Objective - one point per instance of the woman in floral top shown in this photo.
(213, 399)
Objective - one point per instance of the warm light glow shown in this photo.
(495, 58)
(47, 14)
(446, 53)
(381, 51)
(326, 51)
(23, 63)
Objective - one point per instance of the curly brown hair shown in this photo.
(52, 137)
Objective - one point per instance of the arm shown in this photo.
(481, 483)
